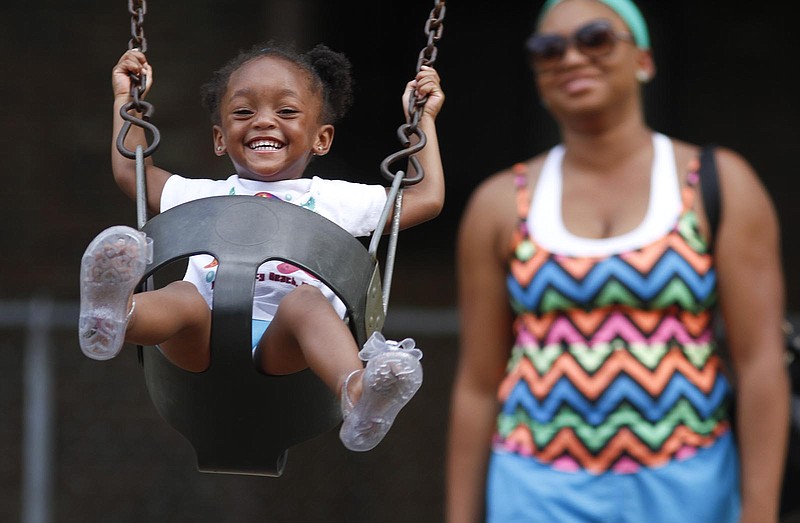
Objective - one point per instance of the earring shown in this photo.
(219, 148)
(642, 75)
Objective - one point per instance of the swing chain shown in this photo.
(137, 9)
(427, 56)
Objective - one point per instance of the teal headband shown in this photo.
(626, 10)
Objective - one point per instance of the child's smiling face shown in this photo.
(270, 119)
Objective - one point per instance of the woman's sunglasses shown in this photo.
(595, 39)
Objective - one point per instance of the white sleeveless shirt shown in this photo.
(545, 217)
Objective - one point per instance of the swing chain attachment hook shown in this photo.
(137, 9)
(427, 56)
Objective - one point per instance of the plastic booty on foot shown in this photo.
(391, 378)
(111, 268)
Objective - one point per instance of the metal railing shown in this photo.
(41, 317)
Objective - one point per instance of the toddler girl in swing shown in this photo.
(273, 110)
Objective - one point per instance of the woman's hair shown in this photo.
(329, 70)
(625, 9)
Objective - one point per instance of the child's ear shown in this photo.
(219, 142)
(324, 140)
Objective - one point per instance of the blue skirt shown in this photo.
(701, 489)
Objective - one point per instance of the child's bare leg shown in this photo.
(307, 332)
(177, 318)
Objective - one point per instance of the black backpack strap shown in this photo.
(709, 185)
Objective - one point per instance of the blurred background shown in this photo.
(80, 440)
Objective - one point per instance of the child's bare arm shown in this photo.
(424, 201)
(124, 169)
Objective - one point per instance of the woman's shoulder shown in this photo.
(505, 182)
(731, 165)
(743, 192)
(493, 205)
(727, 158)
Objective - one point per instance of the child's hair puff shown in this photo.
(330, 73)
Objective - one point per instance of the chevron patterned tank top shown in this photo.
(614, 366)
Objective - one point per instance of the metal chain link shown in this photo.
(394, 201)
(137, 9)
(433, 30)
(427, 56)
